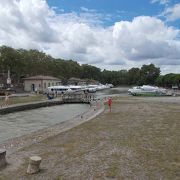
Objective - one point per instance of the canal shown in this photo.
(25, 122)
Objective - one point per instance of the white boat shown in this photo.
(99, 87)
(63, 89)
(110, 85)
(147, 90)
(73, 88)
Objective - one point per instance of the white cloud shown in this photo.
(32, 24)
(163, 2)
(87, 10)
(172, 13)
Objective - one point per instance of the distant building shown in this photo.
(78, 81)
(92, 82)
(40, 83)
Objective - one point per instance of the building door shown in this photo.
(33, 87)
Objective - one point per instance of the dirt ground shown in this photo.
(139, 139)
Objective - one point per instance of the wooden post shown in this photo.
(34, 165)
(2, 157)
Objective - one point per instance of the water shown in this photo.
(112, 92)
(25, 122)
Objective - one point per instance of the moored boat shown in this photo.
(147, 90)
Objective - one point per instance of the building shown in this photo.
(40, 83)
(77, 81)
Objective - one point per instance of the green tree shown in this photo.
(133, 76)
(90, 72)
(148, 74)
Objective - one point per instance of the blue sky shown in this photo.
(118, 9)
(109, 34)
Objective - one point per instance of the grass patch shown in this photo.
(27, 99)
(112, 171)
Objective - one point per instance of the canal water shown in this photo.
(123, 91)
(25, 122)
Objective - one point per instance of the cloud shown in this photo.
(162, 2)
(146, 38)
(172, 13)
(87, 10)
(81, 36)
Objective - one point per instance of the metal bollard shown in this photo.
(34, 164)
(2, 158)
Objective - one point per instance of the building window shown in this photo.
(39, 85)
(49, 84)
(44, 85)
(52, 84)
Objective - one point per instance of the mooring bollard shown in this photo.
(34, 165)
(2, 157)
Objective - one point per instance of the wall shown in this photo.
(39, 85)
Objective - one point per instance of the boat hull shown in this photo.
(148, 94)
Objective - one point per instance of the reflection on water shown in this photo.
(25, 122)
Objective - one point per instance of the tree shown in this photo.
(171, 79)
(133, 76)
(148, 74)
(159, 81)
(90, 72)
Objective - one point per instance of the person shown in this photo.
(109, 104)
(6, 99)
(50, 96)
(97, 104)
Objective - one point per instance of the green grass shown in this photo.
(18, 100)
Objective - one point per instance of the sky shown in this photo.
(109, 34)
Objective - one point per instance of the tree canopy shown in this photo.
(23, 63)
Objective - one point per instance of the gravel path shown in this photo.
(139, 139)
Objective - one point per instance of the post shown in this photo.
(2, 158)
(34, 164)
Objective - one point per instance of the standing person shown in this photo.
(98, 104)
(109, 104)
(6, 99)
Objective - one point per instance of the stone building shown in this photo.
(40, 83)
